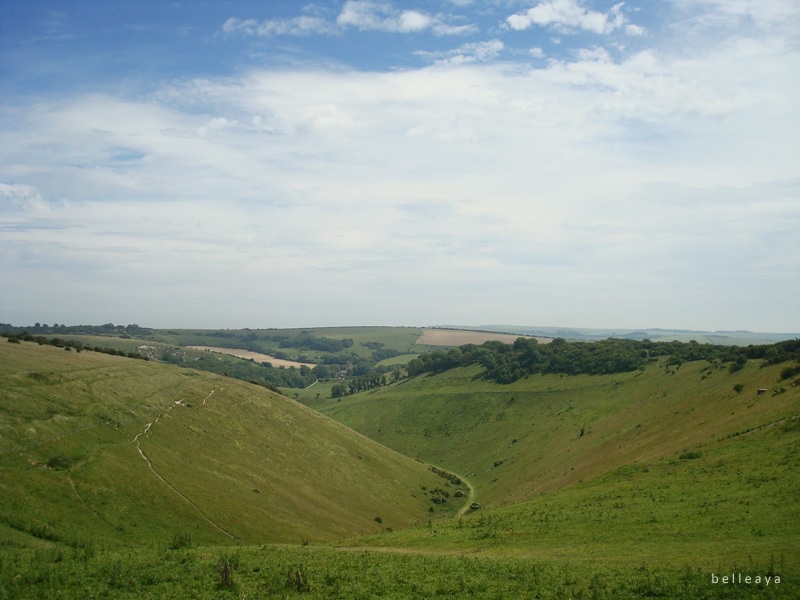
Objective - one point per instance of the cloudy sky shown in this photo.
(577, 163)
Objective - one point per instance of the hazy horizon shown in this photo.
(488, 327)
(247, 164)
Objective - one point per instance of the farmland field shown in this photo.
(455, 337)
(256, 356)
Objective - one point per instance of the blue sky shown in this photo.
(268, 164)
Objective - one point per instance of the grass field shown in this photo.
(524, 438)
(98, 446)
(666, 467)
(459, 337)
(123, 478)
(272, 572)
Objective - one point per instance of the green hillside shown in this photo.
(127, 478)
(673, 460)
(99, 447)
(547, 431)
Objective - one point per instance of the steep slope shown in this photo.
(546, 432)
(103, 447)
(734, 502)
(671, 465)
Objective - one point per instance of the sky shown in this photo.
(575, 163)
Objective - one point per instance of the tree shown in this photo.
(739, 363)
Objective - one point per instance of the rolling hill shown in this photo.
(94, 446)
(129, 478)
(565, 460)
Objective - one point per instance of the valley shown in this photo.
(134, 477)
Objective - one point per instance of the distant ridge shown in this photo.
(737, 337)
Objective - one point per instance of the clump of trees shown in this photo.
(370, 381)
(246, 370)
(308, 341)
(506, 363)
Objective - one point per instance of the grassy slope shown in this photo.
(614, 535)
(232, 461)
(620, 491)
(469, 424)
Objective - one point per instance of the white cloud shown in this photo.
(465, 54)
(364, 15)
(612, 189)
(595, 54)
(15, 196)
(411, 20)
(369, 15)
(302, 25)
(568, 15)
(763, 13)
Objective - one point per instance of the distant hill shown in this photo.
(738, 338)
(101, 447)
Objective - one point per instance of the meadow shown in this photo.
(94, 446)
(124, 478)
(270, 571)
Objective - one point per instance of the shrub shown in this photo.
(181, 540)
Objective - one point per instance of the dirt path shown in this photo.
(470, 495)
(137, 440)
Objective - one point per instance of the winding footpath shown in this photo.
(138, 442)
(470, 495)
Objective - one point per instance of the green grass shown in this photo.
(402, 339)
(672, 466)
(519, 440)
(272, 572)
(313, 396)
(401, 360)
(625, 486)
(736, 503)
(231, 462)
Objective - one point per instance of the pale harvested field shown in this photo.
(258, 357)
(454, 337)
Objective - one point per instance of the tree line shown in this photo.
(506, 363)
(16, 338)
(55, 328)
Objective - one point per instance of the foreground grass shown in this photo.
(314, 572)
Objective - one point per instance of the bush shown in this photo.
(181, 540)
(788, 372)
